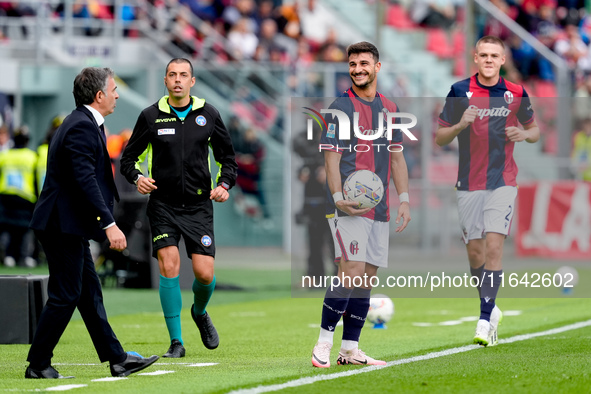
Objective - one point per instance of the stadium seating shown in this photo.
(398, 18)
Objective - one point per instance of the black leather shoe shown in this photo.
(209, 335)
(47, 373)
(132, 364)
(176, 350)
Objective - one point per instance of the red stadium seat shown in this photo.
(545, 89)
(458, 39)
(397, 17)
(438, 43)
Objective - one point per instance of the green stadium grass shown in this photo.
(266, 337)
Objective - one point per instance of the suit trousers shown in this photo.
(73, 283)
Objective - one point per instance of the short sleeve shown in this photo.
(525, 114)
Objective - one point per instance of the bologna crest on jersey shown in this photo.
(354, 247)
(508, 97)
(201, 121)
(206, 241)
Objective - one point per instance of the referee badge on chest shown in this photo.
(206, 241)
(200, 120)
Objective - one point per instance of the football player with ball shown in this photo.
(361, 234)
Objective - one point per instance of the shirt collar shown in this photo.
(96, 114)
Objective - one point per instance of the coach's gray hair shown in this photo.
(89, 82)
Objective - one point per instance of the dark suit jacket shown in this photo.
(77, 197)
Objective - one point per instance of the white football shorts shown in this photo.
(360, 239)
(486, 211)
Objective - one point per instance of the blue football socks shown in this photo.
(202, 293)
(488, 292)
(172, 303)
(356, 313)
(335, 304)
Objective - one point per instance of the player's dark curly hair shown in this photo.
(180, 60)
(89, 82)
(364, 47)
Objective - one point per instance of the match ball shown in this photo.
(381, 309)
(364, 187)
(570, 276)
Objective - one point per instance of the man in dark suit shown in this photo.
(76, 205)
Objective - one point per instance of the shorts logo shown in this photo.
(206, 241)
(201, 121)
(508, 97)
(330, 132)
(354, 247)
(165, 131)
(156, 238)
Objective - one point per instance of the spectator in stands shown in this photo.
(43, 149)
(243, 40)
(208, 10)
(18, 194)
(316, 23)
(288, 21)
(583, 98)
(313, 213)
(433, 13)
(270, 40)
(331, 50)
(250, 153)
(493, 27)
(161, 15)
(5, 140)
(573, 49)
(184, 35)
(265, 10)
(85, 22)
(569, 9)
(6, 115)
(241, 9)
(581, 154)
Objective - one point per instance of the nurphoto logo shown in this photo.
(385, 129)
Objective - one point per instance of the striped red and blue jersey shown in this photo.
(374, 156)
(486, 154)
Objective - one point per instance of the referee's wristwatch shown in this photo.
(224, 185)
(137, 178)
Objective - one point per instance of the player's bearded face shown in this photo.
(363, 69)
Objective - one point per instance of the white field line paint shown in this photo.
(66, 387)
(156, 373)
(512, 313)
(189, 364)
(429, 356)
(461, 320)
(109, 379)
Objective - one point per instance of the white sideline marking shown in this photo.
(429, 356)
(460, 320)
(109, 379)
(202, 364)
(66, 387)
(156, 373)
